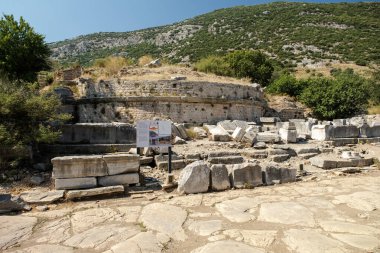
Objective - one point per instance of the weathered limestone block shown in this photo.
(219, 134)
(219, 177)
(331, 163)
(242, 124)
(121, 163)
(369, 131)
(176, 165)
(246, 175)
(223, 153)
(275, 173)
(287, 135)
(321, 132)
(41, 197)
(345, 132)
(226, 160)
(175, 131)
(268, 137)
(122, 179)
(238, 134)
(194, 178)
(250, 135)
(227, 125)
(182, 130)
(94, 192)
(75, 183)
(78, 166)
(323, 163)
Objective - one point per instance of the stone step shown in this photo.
(75, 194)
(176, 165)
(75, 183)
(226, 160)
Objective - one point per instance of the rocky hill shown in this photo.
(294, 33)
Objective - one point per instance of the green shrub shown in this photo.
(240, 64)
(342, 96)
(251, 64)
(287, 84)
(213, 64)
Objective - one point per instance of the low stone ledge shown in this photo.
(75, 183)
(75, 194)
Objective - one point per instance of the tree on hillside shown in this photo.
(23, 52)
(251, 64)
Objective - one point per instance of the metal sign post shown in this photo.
(156, 133)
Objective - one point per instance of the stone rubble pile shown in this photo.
(82, 172)
(272, 130)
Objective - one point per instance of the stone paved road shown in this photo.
(337, 215)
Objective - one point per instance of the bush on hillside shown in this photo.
(112, 64)
(287, 84)
(213, 64)
(251, 64)
(239, 64)
(343, 96)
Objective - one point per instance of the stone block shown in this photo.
(223, 153)
(278, 151)
(258, 154)
(121, 163)
(175, 131)
(323, 163)
(219, 134)
(369, 131)
(279, 158)
(176, 165)
(271, 120)
(227, 125)
(122, 179)
(345, 132)
(78, 166)
(219, 177)
(242, 124)
(321, 132)
(238, 134)
(75, 194)
(250, 135)
(226, 160)
(75, 183)
(194, 178)
(145, 160)
(41, 197)
(268, 137)
(246, 175)
(182, 130)
(287, 135)
(275, 173)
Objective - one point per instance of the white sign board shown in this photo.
(153, 133)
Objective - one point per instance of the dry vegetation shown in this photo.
(325, 70)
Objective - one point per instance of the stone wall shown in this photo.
(167, 88)
(179, 101)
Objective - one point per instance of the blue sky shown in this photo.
(64, 19)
